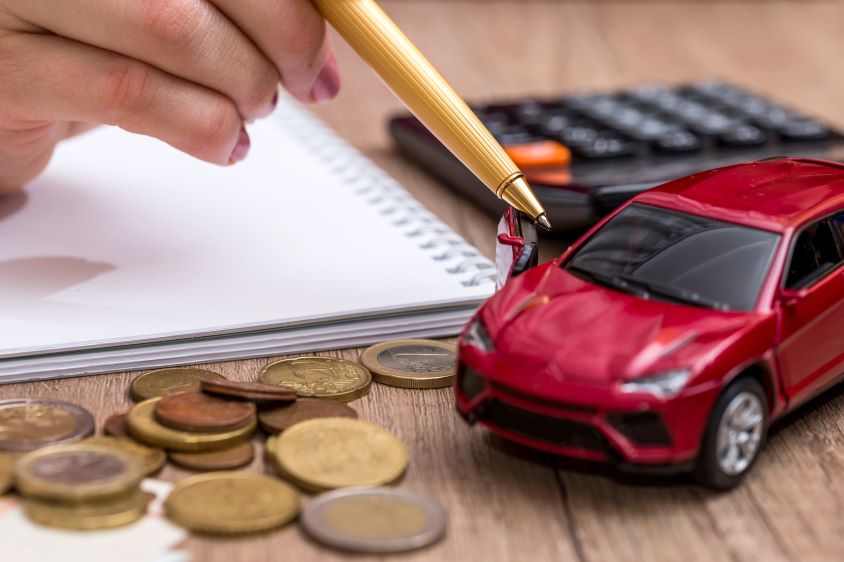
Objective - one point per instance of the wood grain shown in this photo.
(507, 504)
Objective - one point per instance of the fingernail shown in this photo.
(241, 149)
(269, 108)
(327, 83)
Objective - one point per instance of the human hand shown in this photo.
(189, 72)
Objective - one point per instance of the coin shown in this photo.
(27, 424)
(374, 520)
(89, 516)
(255, 391)
(221, 459)
(276, 420)
(5, 472)
(200, 412)
(412, 363)
(319, 377)
(144, 427)
(231, 503)
(169, 381)
(270, 456)
(329, 453)
(77, 473)
(151, 459)
(117, 425)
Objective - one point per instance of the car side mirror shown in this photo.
(790, 298)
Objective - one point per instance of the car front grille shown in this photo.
(556, 431)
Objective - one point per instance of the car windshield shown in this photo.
(667, 255)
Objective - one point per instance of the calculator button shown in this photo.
(803, 130)
(713, 124)
(606, 147)
(550, 127)
(683, 141)
(744, 135)
(539, 154)
(516, 137)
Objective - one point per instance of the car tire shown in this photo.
(734, 435)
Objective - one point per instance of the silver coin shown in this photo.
(27, 424)
(374, 520)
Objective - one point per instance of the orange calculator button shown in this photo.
(539, 154)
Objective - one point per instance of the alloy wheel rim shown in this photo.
(740, 433)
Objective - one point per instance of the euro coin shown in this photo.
(5, 472)
(255, 391)
(231, 503)
(151, 459)
(89, 516)
(77, 473)
(117, 425)
(144, 427)
(276, 420)
(319, 377)
(374, 520)
(200, 412)
(162, 382)
(221, 459)
(270, 456)
(412, 363)
(329, 453)
(29, 423)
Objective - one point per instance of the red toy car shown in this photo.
(673, 332)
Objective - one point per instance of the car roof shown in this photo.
(775, 194)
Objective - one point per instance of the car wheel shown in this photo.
(734, 435)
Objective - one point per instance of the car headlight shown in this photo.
(664, 385)
(477, 336)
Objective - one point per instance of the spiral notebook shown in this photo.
(128, 255)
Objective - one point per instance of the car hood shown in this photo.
(571, 329)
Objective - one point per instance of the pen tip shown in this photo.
(542, 221)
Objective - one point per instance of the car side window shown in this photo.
(816, 252)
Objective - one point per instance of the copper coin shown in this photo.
(117, 425)
(276, 420)
(221, 459)
(199, 412)
(250, 390)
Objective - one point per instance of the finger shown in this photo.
(25, 150)
(293, 35)
(187, 38)
(51, 78)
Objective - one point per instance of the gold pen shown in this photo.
(378, 40)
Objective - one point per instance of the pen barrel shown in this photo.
(377, 39)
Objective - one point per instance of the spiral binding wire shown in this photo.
(384, 193)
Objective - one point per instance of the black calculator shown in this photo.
(586, 154)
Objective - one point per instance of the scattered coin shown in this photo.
(276, 420)
(269, 454)
(231, 503)
(151, 459)
(117, 425)
(256, 391)
(89, 516)
(77, 473)
(29, 423)
(412, 363)
(144, 426)
(328, 453)
(200, 412)
(5, 472)
(169, 381)
(319, 377)
(222, 459)
(374, 520)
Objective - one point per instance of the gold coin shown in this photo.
(89, 516)
(231, 503)
(144, 426)
(162, 382)
(319, 377)
(269, 454)
(151, 459)
(412, 363)
(5, 473)
(29, 423)
(328, 453)
(77, 473)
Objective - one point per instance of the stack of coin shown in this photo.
(27, 424)
(81, 486)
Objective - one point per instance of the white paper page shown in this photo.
(125, 239)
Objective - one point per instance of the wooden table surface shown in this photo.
(504, 503)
